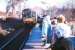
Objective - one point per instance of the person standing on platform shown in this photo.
(46, 31)
(64, 35)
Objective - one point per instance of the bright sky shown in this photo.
(37, 3)
(3, 5)
(58, 3)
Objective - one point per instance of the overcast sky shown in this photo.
(39, 3)
(58, 3)
(3, 4)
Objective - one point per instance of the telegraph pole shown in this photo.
(72, 9)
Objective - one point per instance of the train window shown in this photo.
(26, 13)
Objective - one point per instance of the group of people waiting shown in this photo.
(56, 33)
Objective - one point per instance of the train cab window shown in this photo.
(26, 13)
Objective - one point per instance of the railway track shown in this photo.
(14, 40)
